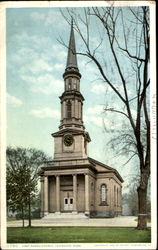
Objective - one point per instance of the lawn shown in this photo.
(77, 235)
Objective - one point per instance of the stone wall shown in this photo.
(76, 150)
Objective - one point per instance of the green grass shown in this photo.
(77, 235)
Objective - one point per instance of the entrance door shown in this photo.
(68, 204)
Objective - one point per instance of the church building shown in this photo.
(72, 182)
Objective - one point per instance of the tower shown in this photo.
(71, 139)
(73, 182)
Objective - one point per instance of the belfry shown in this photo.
(74, 183)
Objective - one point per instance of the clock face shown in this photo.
(68, 140)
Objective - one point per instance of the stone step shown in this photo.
(57, 215)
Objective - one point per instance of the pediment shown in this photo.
(101, 168)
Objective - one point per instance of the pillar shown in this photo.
(75, 193)
(45, 195)
(61, 110)
(121, 198)
(58, 193)
(42, 196)
(76, 109)
(73, 108)
(86, 194)
(80, 110)
(64, 109)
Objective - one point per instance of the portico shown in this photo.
(67, 193)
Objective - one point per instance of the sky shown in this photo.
(36, 62)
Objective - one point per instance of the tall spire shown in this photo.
(71, 58)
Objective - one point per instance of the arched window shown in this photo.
(69, 83)
(69, 109)
(103, 194)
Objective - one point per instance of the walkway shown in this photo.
(121, 221)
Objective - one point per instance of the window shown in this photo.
(75, 83)
(69, 109)
(103, 194)
(69, 83)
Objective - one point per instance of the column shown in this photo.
(121, 198)
(58, 193)
(64, 109)
(61, 110)
(79, 110)
(76, 108)
(73, 108)
(75, 193)
(114, 196)
(42, 196)
(87, 194)
(45, 195)
(111, 197)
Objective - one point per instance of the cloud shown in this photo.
(44, 83)
(101, 122)
(93, 115)
(36, 64)
(98, 121)
(37, 16)
(46, 113)
(51, 18)
(58, 66)
(13, 100)
(98, 109)
(98, 88)
(40, 65)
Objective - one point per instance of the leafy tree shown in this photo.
(121, 55)
(22, 177)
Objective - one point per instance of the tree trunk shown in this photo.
(29, 211)
(23, 222)
(142, 216)
(142, 201)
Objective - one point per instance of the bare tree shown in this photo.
(125, 37)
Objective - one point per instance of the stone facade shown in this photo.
(73, 182)
(81, 186)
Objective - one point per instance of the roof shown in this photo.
(95, 162)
